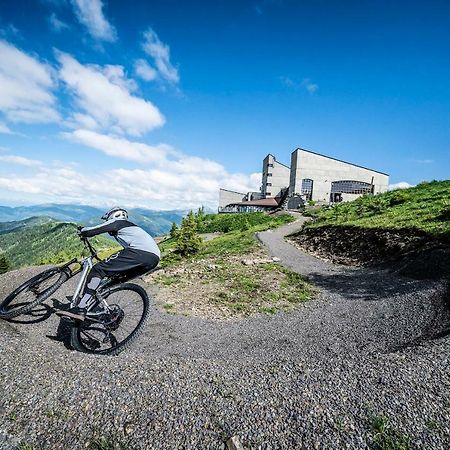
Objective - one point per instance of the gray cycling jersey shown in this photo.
(126, 233)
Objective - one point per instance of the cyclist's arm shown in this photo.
(111, 226)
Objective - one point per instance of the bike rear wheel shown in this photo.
(111, 333)
(32, 292)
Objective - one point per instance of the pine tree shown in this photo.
(188, 241)
(4, 264)
(174, 230)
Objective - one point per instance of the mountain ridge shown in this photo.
(154, 222)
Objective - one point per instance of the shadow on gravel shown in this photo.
(43, 312)
(63, 333)
(64, 329)
(439, 325)
(365, 284)
(413, 302)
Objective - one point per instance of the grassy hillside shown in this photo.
(425, 207)
(237, 234)
(44, 241)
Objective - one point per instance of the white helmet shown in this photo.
(115, 213)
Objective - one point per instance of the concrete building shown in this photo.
(312, 176)
(275, 177)
(227, 197)
(321, 178)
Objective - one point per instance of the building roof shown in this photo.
(340, 160)
(274, 157)
(234, 192)
(262, 202)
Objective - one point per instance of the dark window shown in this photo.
(350, 187)
(268, 184)
(268, 193)
(269, 174)
(307, 188)
(270, 165)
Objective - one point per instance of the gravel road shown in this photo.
(371, 344)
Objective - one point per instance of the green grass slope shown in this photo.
(425, 207)
(37, 241)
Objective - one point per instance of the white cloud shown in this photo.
(118, 147)
(309, 86)
(400, 185)
(104, 97)
(144, 70)
(26, 87)
(90, 14)
(174, 180)
(57, 24)
(160, 53)
(306, 83)
(154, 188)
(19, 160)
(5, 129)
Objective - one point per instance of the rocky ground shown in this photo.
(366, 363)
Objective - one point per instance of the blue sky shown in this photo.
(159, 103)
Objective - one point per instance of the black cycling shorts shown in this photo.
(128, 263)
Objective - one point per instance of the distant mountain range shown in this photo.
(154, 222)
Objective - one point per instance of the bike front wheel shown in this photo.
(110, 332)
(32, 292)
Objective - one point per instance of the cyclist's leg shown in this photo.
(128, 263)
(92, 283)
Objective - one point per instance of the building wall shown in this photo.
(226, 197)
(323, 170)
(275, 177)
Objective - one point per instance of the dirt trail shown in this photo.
(312, 378)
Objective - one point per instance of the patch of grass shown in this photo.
(215, 279)
(225, 223)
(387, 438)
(262, 288)
(26, 446)
(238, 240)
(166, 280)
(433, 425)
(425, 207)
(107, 443)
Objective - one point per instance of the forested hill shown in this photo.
(40, 240)
(154, 222)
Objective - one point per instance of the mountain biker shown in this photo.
(139, 255)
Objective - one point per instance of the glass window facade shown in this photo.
(350, 187)
(307, 188)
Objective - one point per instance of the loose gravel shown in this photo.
(372, 344)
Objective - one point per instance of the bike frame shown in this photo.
(86, 266)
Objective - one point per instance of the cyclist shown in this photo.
(139, 255)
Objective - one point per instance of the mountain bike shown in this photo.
(111, 325)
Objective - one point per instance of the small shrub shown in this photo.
(188, 242)
(397, 198)
(174, 230)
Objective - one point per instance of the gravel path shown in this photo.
(313, 378)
